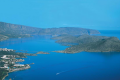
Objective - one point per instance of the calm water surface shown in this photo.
(80, 66)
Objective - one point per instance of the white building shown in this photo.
(5, 49)
(5, 57)
(19, 65)
(5, 66)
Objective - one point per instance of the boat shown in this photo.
(57, 73)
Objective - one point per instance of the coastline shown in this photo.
(26, 66)
(5, 76)
(13, 71)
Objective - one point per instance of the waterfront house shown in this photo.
(16, 65)
(4, 57)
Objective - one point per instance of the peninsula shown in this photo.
(9, 61)
(41, 52)
(89, 43)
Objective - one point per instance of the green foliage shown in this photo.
(3, 73)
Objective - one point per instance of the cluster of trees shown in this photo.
(3, 73)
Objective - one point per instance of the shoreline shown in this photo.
(13, 71)
(65, 52)
(5, 76)
(23, 68)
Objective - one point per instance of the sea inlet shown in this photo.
(59, 66)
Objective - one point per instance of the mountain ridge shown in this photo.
(19, 31)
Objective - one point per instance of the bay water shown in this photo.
(59, 66)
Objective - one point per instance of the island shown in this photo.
(88, 43)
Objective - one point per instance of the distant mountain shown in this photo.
(17, 31)
(91, 44)
(60, 37)
(68, 30)
(7, 28)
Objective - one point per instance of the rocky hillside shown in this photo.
(7, 28)
(91, 44)
(16, 31)
(78, 39)
(68, 30)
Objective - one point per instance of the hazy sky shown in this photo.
(94, 14)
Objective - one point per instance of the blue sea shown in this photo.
(59, 66)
